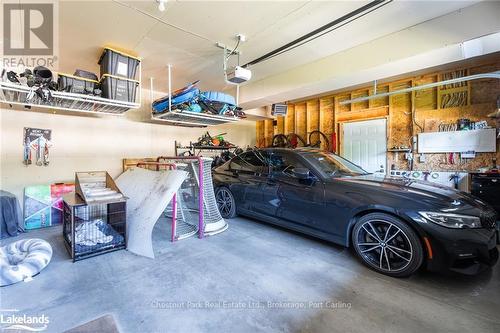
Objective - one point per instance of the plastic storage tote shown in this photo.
(75, 84)
(85, 74)
(117, 63)
(118, 88)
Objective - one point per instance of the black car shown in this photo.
(396, 225)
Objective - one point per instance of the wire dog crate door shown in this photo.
(90, 230)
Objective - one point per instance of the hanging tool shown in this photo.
(39, 151)
(454, 178)
(46, 154)
(27, 152)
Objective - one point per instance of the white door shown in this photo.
(365, 144)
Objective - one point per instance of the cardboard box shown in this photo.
(85, 181)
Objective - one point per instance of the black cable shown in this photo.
(312, 35)
(231, 53)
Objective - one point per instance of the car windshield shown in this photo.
(331, 165)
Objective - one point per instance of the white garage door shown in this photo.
(365, 143)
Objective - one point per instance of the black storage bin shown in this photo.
(117, 88)
(117, 63)
(75, 84)
(86, 74)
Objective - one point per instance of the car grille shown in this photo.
(489, 220)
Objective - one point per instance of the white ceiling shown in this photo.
(185, 34)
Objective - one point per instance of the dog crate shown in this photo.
(118, 63)
(93, 229)
(119, 89)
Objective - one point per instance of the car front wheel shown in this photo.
(387, 245)
(225, 202)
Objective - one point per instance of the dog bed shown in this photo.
(23, 259)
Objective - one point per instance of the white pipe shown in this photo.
(140, 82)
(492, 75)
(169, 88)
(237, 95)
(151, 96)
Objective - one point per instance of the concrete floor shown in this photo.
(250, 264)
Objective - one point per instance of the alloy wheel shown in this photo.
(384, 245)
(225, 202)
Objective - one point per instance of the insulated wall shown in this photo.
(473, 100)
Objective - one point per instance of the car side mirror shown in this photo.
(301, 173)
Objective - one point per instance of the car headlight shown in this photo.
(455, 221)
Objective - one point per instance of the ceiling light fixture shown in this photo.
(161, 5)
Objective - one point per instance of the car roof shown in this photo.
(298, 150)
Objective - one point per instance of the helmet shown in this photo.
(42, 74)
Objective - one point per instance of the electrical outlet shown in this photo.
(422, 158)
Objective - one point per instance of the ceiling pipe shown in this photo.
(169, 88)
(492, 75)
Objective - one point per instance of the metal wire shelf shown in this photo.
(185, 118)
(15, 94)
(178, 117)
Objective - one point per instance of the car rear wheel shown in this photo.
(225, 202)
(387, 245)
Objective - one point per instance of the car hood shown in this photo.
(416, 189)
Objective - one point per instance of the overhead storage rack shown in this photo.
(15, 94)
(191, 119)
(177, 117)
